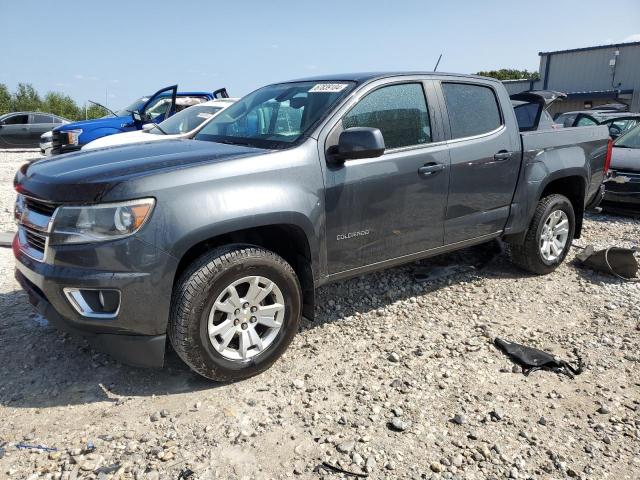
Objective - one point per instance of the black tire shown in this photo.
(527, 255)
(194, 295)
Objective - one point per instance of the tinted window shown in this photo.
(526, 114)
(585, 121)
(16, 120)
(398, 111)
(57, 120)
(40, 118)
(566, 119)
(473, 109)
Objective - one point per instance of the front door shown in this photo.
(485, 161)
(160, 106)
(387, 207)
(14, 131)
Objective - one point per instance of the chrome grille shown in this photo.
(35, 240)
(34, 224)
(43, 208)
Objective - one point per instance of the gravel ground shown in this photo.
(395, 378)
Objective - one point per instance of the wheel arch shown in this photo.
(289, 240)
(571, 183)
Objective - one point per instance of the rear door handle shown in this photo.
(503, 155)
(430, 169)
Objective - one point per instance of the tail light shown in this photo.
(607, 158)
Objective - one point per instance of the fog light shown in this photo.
(94, 303)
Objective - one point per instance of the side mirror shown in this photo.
(147, 126)
(137, 116)
(357, 142)
(614, 131)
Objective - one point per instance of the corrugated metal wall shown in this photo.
(588, 70)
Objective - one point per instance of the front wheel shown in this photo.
(234, 312)
(549, 237)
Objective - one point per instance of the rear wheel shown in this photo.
(549, 237)
(234, 312)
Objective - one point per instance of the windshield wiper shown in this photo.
(159, 128)
(102, 106)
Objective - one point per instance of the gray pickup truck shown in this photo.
(218, 243)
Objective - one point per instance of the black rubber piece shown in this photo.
(527, 255)
(197, 289)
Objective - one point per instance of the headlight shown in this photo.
(98, 223)
(73, 136)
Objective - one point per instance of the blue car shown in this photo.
(149, 109)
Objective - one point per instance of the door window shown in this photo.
(473, 109)
(17, 120)
(159, 106)
(398, 111)
(585, 122)
(40, 118)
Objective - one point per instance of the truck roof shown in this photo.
(363, 77)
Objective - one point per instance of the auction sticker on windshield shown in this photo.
(205, 115)
(328, 87)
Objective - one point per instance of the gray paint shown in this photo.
(204, 190)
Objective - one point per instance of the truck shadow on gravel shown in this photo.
(42, 367)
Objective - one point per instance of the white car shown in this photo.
(184, 124)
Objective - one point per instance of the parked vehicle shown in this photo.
(622, 189)
(616, 122)
(23, 129)
(155, 108)
(219, 243)
(184, 124)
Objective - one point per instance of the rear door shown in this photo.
(14, 131)
(484, 145)
(391, 206)
(39, 124)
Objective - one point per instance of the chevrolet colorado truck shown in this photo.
(217, 244)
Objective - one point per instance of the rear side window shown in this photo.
(40, 118)
(585, 122)
(398, 111)
(473, 109)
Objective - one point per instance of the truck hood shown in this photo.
(625, 159)
(88, 125)
(87, 176)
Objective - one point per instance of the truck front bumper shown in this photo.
(143, 275)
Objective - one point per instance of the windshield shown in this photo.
(137, 105)
(276, 116)
(186, 120)
(631, 139)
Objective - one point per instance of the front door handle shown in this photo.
(430, 169)
(503, 155)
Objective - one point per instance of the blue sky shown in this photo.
(120, 50)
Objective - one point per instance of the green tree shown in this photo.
(26, 98)
(95, 111)
(510, 74)
(5, 99)
(63, 105)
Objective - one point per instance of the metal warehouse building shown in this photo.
(589, 76)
